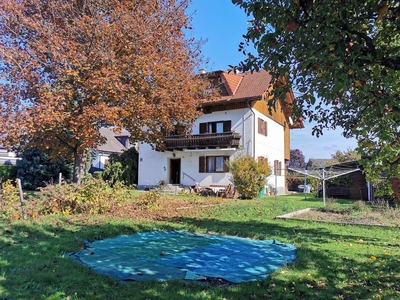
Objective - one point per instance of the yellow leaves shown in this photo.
(372, 258)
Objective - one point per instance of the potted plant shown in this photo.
(271, 189)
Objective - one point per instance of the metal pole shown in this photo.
(276, 185)
(305, 182)
(323, 185)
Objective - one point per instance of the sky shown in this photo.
(222, 25)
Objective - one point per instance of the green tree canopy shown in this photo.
(343, 59)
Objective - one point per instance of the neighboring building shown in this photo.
(237, 122)
(115, 142)
(7, 157)
(354, 185)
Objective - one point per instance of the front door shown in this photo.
(175, 171)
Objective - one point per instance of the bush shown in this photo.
(36, 169)
(294, 182)
(8, 198)
(98, 174)
(8, 172)
(94, 196)
(123, 167)
(249, 177)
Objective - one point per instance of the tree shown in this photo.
(345, 156)
(72, 67)
(297, 158)
(343, 57)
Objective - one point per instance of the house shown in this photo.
(7, 157)
(115, 142)
(237, 122)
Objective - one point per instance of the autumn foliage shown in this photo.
(69, 68)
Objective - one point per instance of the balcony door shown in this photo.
(175, 171)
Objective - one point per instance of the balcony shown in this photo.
(203, 141)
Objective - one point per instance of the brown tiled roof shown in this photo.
(232, 81)
(244, 85)
(112, 145)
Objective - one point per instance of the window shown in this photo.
(215, 127)
(262, 127)
(213, 164)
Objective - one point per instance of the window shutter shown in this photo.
(203, 128)
(259, 126)
(280, 168)
(226, 164)
(275, 167)
(227, 126)
(265, 129)
(202, 164)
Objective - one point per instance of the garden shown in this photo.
(335, 260)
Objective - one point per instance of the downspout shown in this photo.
(253, 131)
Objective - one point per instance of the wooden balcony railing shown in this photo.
(202, 141)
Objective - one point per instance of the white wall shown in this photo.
(99, 160)
(153, 165)
(272, 146)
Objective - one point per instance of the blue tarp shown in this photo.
(164, 255)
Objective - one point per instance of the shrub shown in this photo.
(149, 200)
(36, 169)
(8, 199)
(249, 176)
(126, 170)
(98, 174)
(8, 172)
(294, 182)
(93, 197)
(113, 173)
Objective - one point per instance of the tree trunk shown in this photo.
(79, 166)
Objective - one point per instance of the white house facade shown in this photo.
(238, 123)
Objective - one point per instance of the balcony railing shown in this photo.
(203, 141)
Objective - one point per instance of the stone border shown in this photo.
(290, 216)
(295, 213)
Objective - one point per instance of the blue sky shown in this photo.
(222, 24)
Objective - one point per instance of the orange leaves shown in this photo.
(113, 63)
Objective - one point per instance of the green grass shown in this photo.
(334, 261)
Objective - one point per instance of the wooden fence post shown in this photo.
(21, 199)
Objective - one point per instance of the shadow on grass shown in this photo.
(32, 265)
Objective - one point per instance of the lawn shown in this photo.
(335, 261)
